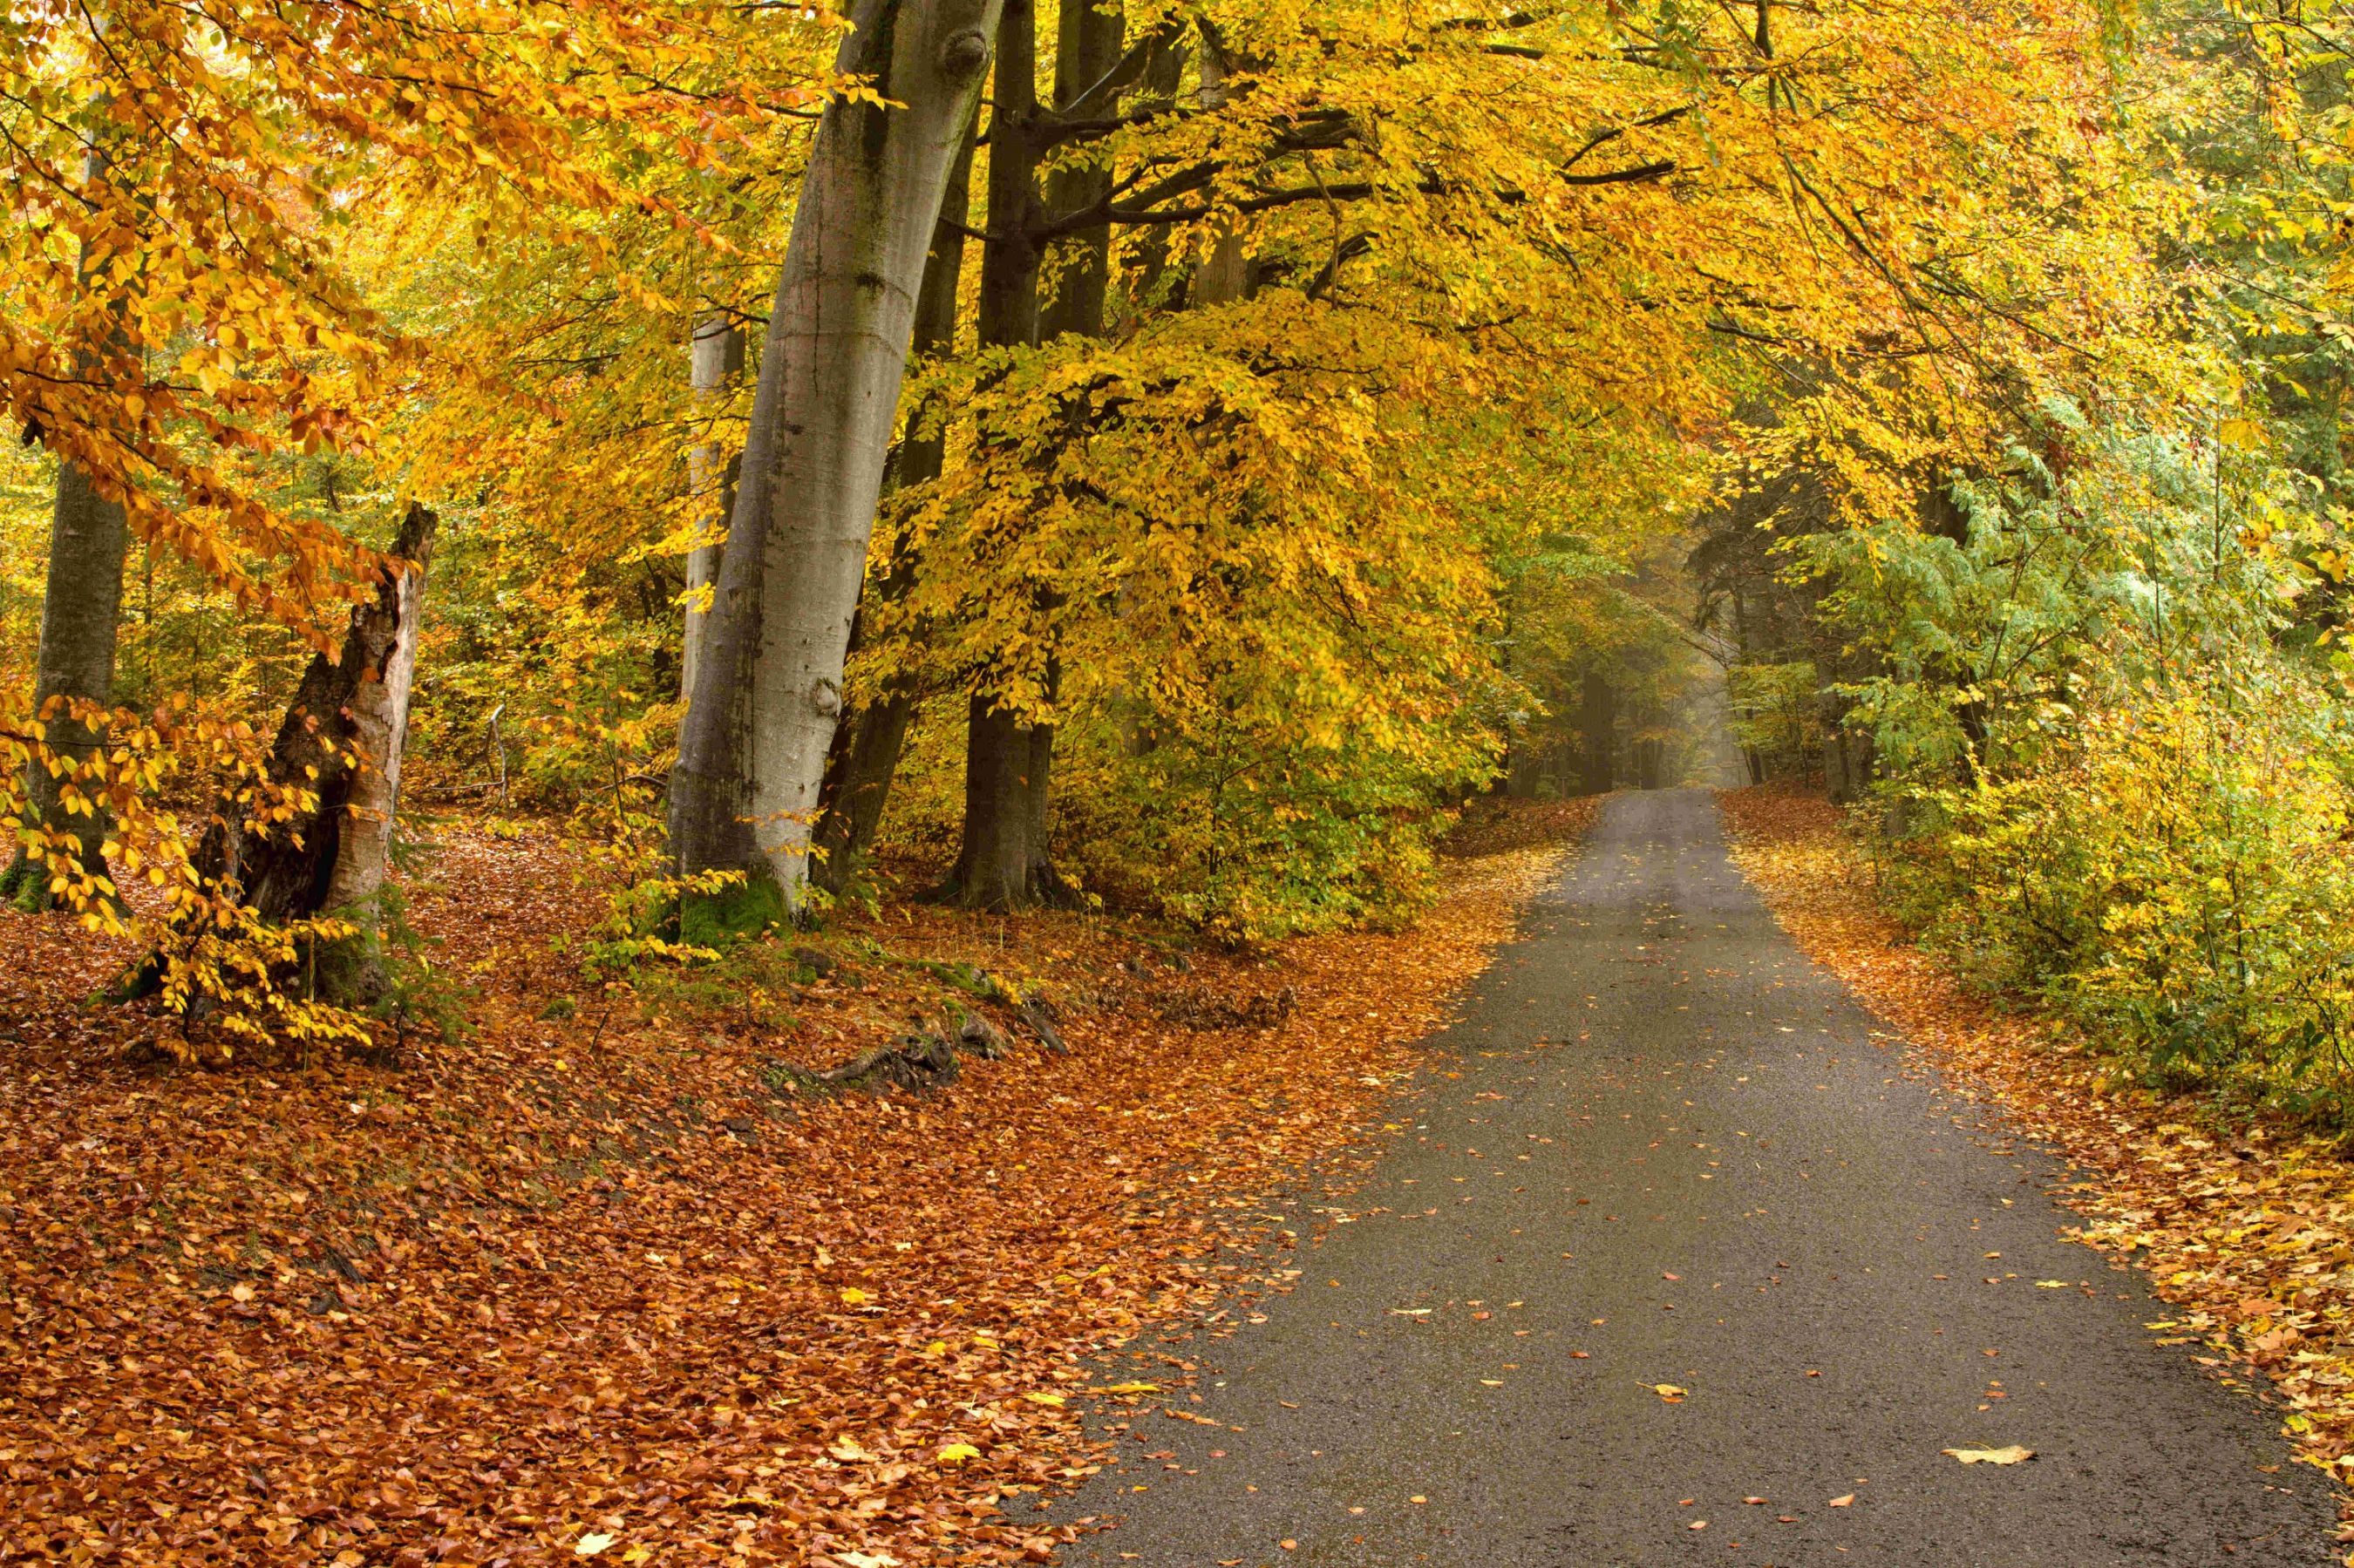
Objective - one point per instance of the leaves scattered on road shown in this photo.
(2248, 1229)
(2011, 1454)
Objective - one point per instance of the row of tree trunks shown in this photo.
(1003, 859)
(745, 795)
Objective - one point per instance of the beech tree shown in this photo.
(79, 608)
(866, 747)
(745, 797)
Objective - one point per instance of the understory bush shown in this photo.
(1226, 832)
(2116, 763)
(2180, 882)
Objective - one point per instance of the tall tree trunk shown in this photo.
(1006, 860)
(82, 612)
(79, 611)
(1000, 861)
(831, 368)
(866, 756)
(997, 862)
(1223, 272)
(1163, 74)
(717, 360)
(1599, 723)
(1088, 44)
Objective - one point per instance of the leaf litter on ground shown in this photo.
(596, 1281)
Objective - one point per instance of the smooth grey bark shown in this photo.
(831, 368)
(82, 609)
(717, 360)
(865, 760)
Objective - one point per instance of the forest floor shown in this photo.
(604, 1278)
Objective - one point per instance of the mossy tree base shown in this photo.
(734, 915)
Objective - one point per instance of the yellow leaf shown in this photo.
(1667, 1391)
(1053, 1399)
(957, 1452)
(590, 1545)
(854, 1297)
(2010, 1455)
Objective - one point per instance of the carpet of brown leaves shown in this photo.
(2247, 1230)
(596, 1282)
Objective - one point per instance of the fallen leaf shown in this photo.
(590, 1545)
(1842, 1503)
(1667, 1391)
(957, 1453)
(2010, 1453)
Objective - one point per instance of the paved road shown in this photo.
(1678, 1154)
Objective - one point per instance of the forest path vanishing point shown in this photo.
(1679, 1155)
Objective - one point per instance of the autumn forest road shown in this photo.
(1685, 1235)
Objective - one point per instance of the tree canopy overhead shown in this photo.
(1308, 415)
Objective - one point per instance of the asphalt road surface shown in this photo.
(1678, 1154)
